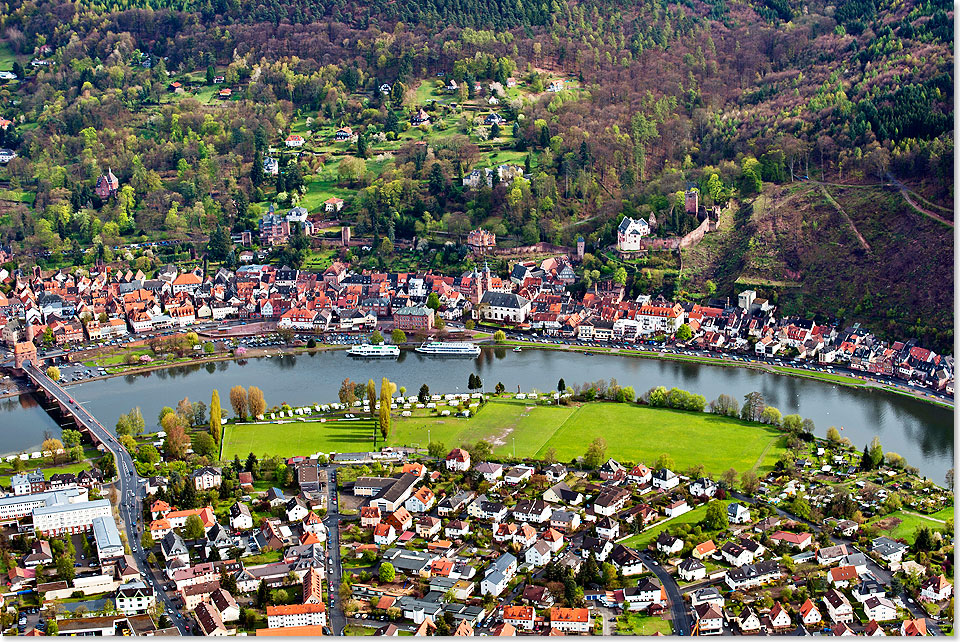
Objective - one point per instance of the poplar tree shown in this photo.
(216, 416)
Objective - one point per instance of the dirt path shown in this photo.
(836, 205)
(926, 517)
(906, 196)
(763, 454)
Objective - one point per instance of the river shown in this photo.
(919, 431)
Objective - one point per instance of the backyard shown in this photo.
(903, 524)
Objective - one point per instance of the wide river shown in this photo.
(920, 431)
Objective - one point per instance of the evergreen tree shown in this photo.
(256, 172)
(262, 594)
(362, 145)
(219, 244)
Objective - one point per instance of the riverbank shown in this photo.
(850, 381)
(922, 433)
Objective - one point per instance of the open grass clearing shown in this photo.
(296, 438)
(634, 623)
(644, 539)
(903, 524)
(505, 423)
(635, 433)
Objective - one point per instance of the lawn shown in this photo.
(296, 438)
(7, 57)
(6, 469)
(639, 624)
(118, 357)
(505, 423)
(356, 629)
(17, 195)
(635, 433)
(642, 540)
(910, 522)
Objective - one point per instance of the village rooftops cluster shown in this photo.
(533, 297)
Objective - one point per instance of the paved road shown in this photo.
(129, 488)
(337, 621)
(682, 622)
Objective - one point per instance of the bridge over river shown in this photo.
(130, 486)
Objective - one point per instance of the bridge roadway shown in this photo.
(130, 486)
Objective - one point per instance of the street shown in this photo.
(335, 619)
(682, 622)
(130, 493)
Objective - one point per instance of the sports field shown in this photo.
(297, 438)
(633, 434)
(504, 424)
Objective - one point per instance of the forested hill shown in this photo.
(616, 107)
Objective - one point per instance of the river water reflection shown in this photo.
(920, 431)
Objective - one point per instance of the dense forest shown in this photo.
(726, 95)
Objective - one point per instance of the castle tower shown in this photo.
(581, 246)
(691, 201)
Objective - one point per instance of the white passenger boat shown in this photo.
(449, 348)
(371, 351)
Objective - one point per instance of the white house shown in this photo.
(458, 460)
(809, 613)
(538, 555)
(630, 234)
(738, 513)
(502, 306)
(880, 609)
(709, 618)
(935, 589)
(703, 487)
(691, 569)
(665, 479)
(648, 591)
(134, 598)
(676, 508)
(669, 544)
(838, 606)
(489, 470)
(498, 575)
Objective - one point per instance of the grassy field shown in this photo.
(639, 624)
(910, 522)
(642, 540)
(633, 433)
(296, 438)
(7, 471)
(7, 57)
(504, 423)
